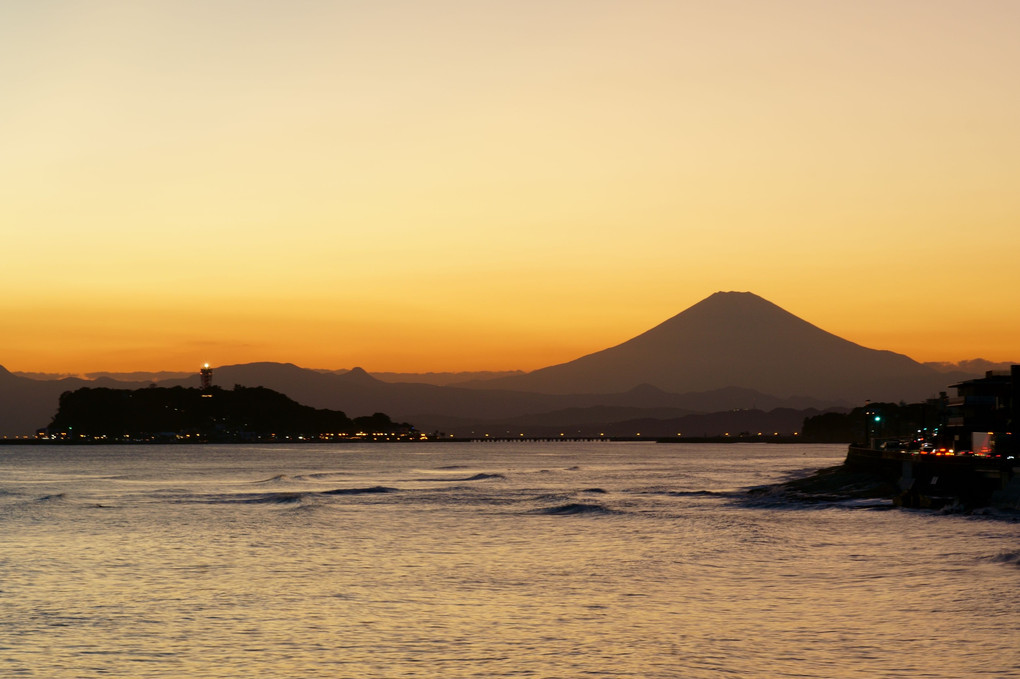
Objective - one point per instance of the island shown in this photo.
(208, 415)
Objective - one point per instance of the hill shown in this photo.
(456, 408)
(213, 414)
(28, 404)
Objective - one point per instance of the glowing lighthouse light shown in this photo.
(206, 373)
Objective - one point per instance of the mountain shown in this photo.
(600, 421)
(731, 351)
(738, 339)
(971, 368)
(441, 407)
(441, 379)
(358, 393)
(596, 422)
(27, 404)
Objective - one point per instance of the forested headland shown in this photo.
(215, 414)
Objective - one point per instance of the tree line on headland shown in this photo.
(213, 414)
(875, 420)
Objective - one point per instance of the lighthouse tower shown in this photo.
(206, 373)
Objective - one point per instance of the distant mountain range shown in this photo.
(733, 351)
(437, 378)
(27, 404)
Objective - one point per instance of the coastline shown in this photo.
(910, 481)
(775, 439)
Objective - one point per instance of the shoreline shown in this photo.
(774, 439)
(935, 483)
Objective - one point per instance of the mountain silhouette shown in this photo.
(27, 404)
(732, 350)
(738, 339)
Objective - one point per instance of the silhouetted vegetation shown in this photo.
(876, 420)
(243, 413)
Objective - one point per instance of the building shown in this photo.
(983, 416)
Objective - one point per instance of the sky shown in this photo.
(488, 185)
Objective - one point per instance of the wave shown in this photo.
(877, 504)
(785, 501)
(552, 497)
(574, 508)
(455, 479)
(257, 499)
(322, 475)
(1012, 558)
(827, 486)
(275, 479)
(278, 498)
(56, 497)
(697, 493)
(360, 491)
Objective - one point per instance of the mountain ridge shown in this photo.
(731, 351)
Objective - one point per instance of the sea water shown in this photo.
(484, 560)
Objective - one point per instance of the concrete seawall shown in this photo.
(927, 480)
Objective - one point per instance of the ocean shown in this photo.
(523, 559)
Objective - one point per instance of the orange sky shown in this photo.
(426, 186)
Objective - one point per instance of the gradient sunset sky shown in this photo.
(432, 185)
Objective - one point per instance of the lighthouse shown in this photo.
(206, 373)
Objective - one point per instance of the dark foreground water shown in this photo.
(487, 560)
